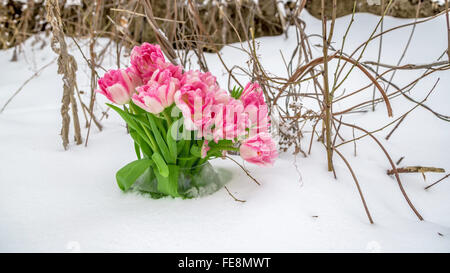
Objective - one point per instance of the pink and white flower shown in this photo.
(158, 93)
(119, 85)
(253, 100)
(221, 96)
(175, 70)
(196, 98)
(230, 120)
(145, 59)
(252, 95)
(259, 149)
(193, 76)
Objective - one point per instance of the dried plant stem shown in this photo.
(300, 71)
(427, 187)
(399, 160)
(244, 169)
(327, 99)
(93, 39)
(357, 185)
(92, 118)
(380, 46)
(76, 120)
(235, 199)
(67, 67)
(392, 165)
(312, 136)
(399, 118)
(160, 37)
(403, 91)
(408, 66)
(406, 47)
(448, 28)
(395, 127)
(25, 83)
(416, 169)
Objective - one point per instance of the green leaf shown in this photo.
(187, 158)
(180, 146)
(186, 148)
(169, 185)
(236, 92)
(142, 119)
(172, 144)
(160, 164)
(136, 108)
(196, 151)
(129, 119)
(161, 123)
(160, 141)
(142, 144)
(214, 152)
(128, 174)
(137, 149)
(135, 136)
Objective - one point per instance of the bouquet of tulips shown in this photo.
(179, 120)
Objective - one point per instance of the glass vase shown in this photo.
(192, 182)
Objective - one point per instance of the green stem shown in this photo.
(202, 160)
(228, 148)
(152, 140)
(168, 118)
(159, 123)
(149, 135)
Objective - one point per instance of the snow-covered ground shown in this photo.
(64, 201)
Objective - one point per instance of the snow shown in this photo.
(440, 2)
(68, 201)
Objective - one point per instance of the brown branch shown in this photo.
(416, 169)
(25, 83)
(399, 160)
(326, 95)
(67, 66)
(160, 37)
(427, 187)
(357, 185)
(448, 29)
(320, 60)
(397, 177)
(244, 169)
(408, 66)
(235, 199)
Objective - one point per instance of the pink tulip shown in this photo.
(252, 95)
(195, 99)
(259, 149)
(230, 120)
(221, 96)
(259, 119)
(207, 78)
(146, 59)
(166, 74)
(119, 85)
(175, 70)
(253, 100)
(158, 93)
